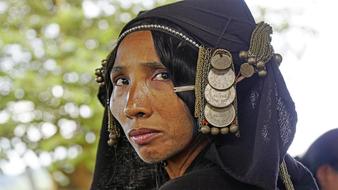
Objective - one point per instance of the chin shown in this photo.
(151, 158)
(154, 154)
(150, 161)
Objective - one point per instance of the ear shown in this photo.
(322, 174)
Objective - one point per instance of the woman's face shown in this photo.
(155, 120)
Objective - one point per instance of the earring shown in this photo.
(100, 72)
(113, 131)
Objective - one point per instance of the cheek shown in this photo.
(117, 104)
(161, 86)
(175, 111)
(168, 104)
(181, 136)
(164, 100)
(178, 119)
(185, 125)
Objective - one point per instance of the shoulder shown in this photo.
(205, 179)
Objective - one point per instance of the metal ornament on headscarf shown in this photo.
(215, 85)
(260, 52)
(215, 92)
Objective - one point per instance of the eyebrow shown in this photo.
(116, 69)
(152, 65)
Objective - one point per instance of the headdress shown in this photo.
(231, 47)
(215, 83)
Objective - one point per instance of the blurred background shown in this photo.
(50, 117)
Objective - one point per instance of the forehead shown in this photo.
(135, 48)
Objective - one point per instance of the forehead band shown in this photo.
(162, 28)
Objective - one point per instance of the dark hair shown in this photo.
(180, 59)
(323, 151)
(177, 55)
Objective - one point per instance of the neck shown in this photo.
(178, 164)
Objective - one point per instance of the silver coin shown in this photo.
(247, 70)
(219, 117)
(221, 61)
(219, 99)
(221, 79)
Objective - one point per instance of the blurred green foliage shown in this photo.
(48, 52)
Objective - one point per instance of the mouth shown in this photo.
(143, 136)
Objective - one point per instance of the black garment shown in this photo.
(205, 174)
(212, 178)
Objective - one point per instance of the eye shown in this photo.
(121, 82)
(162, 76)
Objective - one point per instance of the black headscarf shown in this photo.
(266, 112)
(324, 151)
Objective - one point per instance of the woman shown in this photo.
(194, 88)
(322, 160)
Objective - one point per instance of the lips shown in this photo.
(143, 136)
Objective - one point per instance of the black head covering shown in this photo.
(323, 151)
(266, 112)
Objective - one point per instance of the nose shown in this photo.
(138, 105)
